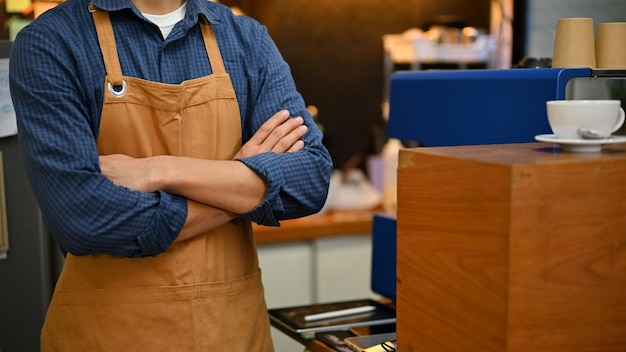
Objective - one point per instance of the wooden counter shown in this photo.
(518, 247)
(328, 224)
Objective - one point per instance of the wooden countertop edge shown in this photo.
(328, 224)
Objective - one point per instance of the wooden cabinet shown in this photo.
(317, 259)
(323, 270)
(516, 247)
(287, 280)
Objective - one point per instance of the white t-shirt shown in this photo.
(167, 21)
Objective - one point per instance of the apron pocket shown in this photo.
(203, 317)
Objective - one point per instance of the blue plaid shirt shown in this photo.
(57, 79)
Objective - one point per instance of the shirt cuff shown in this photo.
(266, 166)
(166, 225)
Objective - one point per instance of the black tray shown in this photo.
(292, 318)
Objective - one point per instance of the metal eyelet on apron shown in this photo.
(117, 93)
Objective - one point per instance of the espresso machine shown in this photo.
(601, 84)
(466, 107)
(471, 107)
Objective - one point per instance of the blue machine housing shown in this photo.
(462, 107)
(383, 280)
(466, 107)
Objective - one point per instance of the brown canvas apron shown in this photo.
(204, 294)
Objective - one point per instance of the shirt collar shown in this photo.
(194, 8)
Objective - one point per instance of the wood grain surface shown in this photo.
(511, 248)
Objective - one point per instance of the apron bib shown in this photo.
(204, 294)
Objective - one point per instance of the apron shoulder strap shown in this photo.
(212, 49)
(106, 38)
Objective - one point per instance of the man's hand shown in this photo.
(279, 134)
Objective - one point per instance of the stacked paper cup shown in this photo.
(574, 43)
(611, 45)
(576, 46)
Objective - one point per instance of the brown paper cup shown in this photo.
(574, 44)
(611, 45)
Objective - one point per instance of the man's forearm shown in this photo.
(202, 218)
(225, 184)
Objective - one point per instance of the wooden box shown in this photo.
(518, 247)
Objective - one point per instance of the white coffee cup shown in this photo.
(566, 117)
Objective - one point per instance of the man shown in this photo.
(145, 134)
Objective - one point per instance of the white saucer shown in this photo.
(580, 145)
